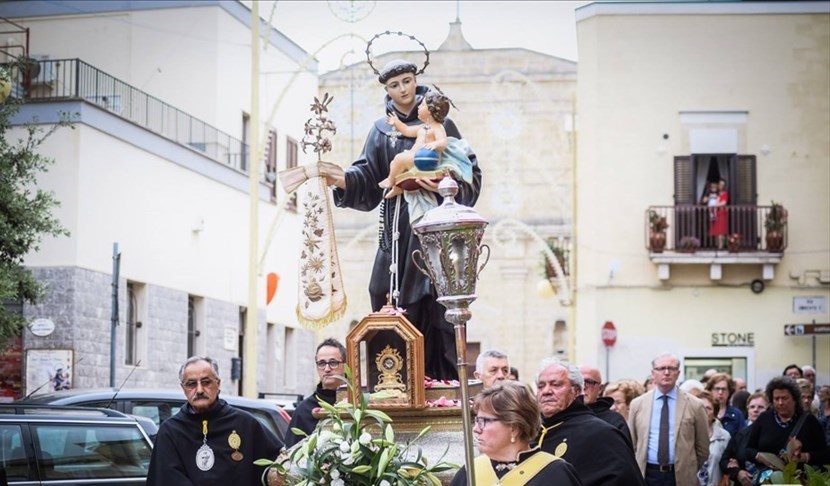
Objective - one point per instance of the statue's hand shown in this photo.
(334, 174)
(391, 118)
(427, 184)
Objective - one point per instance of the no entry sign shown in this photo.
(609, 334)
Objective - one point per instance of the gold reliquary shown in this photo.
(386, 354)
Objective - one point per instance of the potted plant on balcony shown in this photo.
(688, 244)
(733, 242)
(775, 223)
(657, 231)
(549, 271)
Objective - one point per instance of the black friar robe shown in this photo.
(417, 295)
(303, 416)
(173, 462)
(602, 408)
(596, 449)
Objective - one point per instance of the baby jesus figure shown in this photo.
(430, 140)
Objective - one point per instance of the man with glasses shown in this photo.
(669, 428)
(208, 441)
(601, 406)
(329, 359)
(571, 431)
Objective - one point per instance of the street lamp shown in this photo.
(450, 236)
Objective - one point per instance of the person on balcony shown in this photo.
(719, 226)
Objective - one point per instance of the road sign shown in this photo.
(806, 329)
(609, 334)
(810, 305)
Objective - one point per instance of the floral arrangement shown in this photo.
(657, 223)
(688, 243)
(355, 446)
(776, 218)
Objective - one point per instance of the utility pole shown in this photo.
(116, 265)
(249, 372)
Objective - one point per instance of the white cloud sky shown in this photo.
(544, 26)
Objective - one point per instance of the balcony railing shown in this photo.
(73, 79)
(689, 229)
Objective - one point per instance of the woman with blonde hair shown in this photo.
(623, 392)
(507, 419)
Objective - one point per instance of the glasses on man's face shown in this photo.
(720, 389)
(590, 382)
(481, 422)
(205, 382)
(332, 363)
(664, 369)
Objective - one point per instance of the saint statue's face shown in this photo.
(401, 89)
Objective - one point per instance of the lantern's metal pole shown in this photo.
(458, 313)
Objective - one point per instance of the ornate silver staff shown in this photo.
(450, 236)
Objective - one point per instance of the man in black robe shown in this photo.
(329, 359)
(358, 189)
(570, 430)
(601, 406)
(208, 442)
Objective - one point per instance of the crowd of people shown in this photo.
(568, 428)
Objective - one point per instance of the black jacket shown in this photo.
(303, 419)
(602, 407)
(173, 462)
(597, 450)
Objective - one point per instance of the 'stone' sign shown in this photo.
(733, 339)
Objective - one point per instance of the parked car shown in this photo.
(48, 444)
(160, 404)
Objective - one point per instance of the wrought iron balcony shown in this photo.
(73, 79)
(692, 234)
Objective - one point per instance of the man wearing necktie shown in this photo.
(669, 428)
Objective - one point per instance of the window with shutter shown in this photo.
(744, 198)
(692, 173)
(291, 153)
(683, 180)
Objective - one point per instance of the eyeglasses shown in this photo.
(482, 422)
(590, 382)
(670, 369)
(720, 389)
(332, 363)
(205, 382)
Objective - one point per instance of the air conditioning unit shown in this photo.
(46, 76)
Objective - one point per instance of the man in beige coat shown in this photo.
(684, 422)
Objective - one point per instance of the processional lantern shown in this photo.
(450, 236)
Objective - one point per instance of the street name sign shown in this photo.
(810, 305)
(806, 329)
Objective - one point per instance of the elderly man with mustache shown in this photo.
(571, 431)
(208, 441)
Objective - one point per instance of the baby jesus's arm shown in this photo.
(409, 131)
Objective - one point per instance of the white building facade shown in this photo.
(157, 161)
(672, 96)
